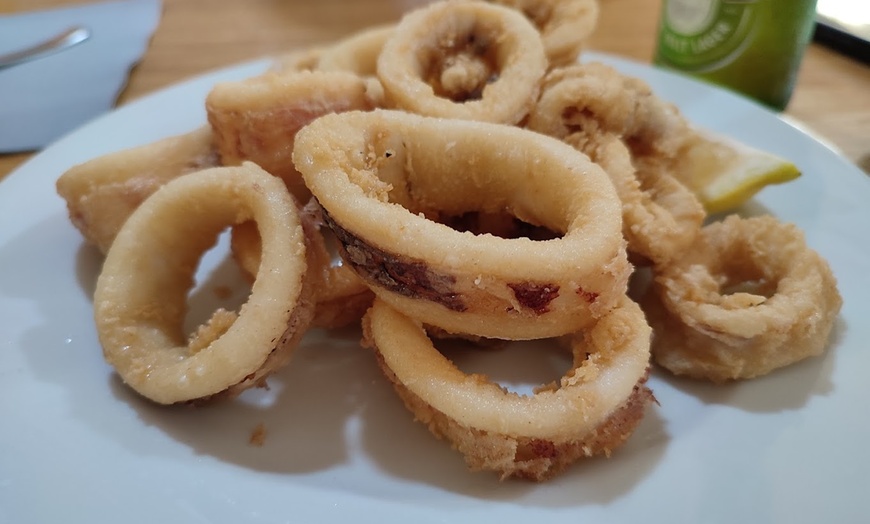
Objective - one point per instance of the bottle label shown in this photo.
(703, 35)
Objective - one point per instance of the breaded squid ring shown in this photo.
(582, 106)
(141, 294)
(618, 103)
(592, 411)
(341, 296)
(565, 25)
(660, 216)
(379, 174)
(297, 60)
(101, 193)
(468, 60)
(256, 119)
(708, 327)
(358, 53)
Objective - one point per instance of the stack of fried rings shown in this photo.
(383, 177)
(387, 183)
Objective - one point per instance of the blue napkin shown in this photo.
(44, 99)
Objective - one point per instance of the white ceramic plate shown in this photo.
(77, 446)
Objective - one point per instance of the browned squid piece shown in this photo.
(386, 178)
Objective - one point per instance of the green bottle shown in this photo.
(750, 46)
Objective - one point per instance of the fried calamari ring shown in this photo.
(660, 216)
(587, 107)
(592, 411)
(357, 53)
(619, 104)
(297, 60)
(468, 60)
(141, 294)
(256, 119)
(101, 193)
(341, 296)
(750, 297)
(379, 174)
(565, 25)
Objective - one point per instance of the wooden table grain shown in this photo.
(831, 98)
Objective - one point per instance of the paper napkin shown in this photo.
(46, 98)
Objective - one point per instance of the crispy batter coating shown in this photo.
(660, 216)
(468, 60)
(620, 124)
(748, 297)
(501, 197)
(379, 175)
(256, 119)
(620, 104)
(297, 60)
(140, 299)
(102, 193)
(358, 53)
(341, 296)
(592, 411)
(565, 25)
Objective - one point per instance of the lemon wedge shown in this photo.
(724, 173)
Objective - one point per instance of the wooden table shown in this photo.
(831, 99)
